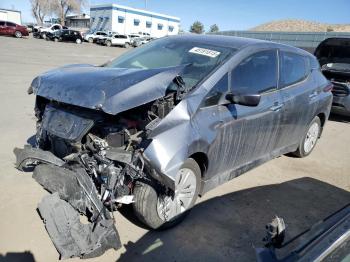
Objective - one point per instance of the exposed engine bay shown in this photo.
(90, 161)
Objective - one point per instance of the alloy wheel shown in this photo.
(311, 137)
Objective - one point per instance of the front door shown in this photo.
(248, 134)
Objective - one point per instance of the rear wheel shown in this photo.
(18, 34)
(90, 40)
(78, 41)
(108, 43)
(56, 39)
(126, 45)
(309, 140)
(159, 209)
(43, 35)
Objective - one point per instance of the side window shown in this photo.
(216, 92)
(255, 74)
(10, 24)
(293, 68)
(2, 23)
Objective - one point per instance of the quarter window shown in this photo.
(255, 74)
(294, 68)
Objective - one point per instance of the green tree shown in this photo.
(197, 28)
(214, 28)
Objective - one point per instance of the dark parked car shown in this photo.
(65, 35)
(162, 124)
(334, 57)
(12, 29)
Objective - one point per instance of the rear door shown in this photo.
(299, 93)
(10, 28)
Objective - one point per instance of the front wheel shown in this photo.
(108, 43)
(90, 40)
(126, 45)
(159, 209)
(78, 41)
(18, 34)
(309, 140)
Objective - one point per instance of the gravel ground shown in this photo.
(224, 225)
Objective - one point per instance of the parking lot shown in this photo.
(225, 225)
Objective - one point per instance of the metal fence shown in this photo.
(306, 40)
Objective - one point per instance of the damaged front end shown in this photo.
(90, 160)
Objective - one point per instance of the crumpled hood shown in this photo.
(112, 90)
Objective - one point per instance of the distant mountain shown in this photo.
(295, 25)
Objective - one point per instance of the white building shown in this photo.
(13, 16)
(127, 20)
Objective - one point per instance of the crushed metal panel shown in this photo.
(113, 90)
(29, 156)
(74, 187)
(72, 238)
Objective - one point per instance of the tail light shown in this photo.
(328, 88)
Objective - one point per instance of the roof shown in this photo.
(233, 41)
(133, 10)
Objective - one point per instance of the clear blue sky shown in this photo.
(228, 14)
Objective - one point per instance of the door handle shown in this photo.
(276, 107)
(312, 95)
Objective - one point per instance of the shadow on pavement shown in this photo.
(339, 118)
(228, 227)
(26, 256)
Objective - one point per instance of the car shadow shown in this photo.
(228, 227)
(339, 118)
(17, 257)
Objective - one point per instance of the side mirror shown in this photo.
(244, 100)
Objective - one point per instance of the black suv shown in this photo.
(65, 35)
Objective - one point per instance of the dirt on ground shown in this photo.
(225, 225)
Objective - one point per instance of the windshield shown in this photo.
(200, 58)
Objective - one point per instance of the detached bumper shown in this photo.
(73, 193)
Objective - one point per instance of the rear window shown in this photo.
(293, 68)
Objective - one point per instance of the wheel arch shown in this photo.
(202, 161)
(322, 116)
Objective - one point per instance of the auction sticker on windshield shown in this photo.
(204, 51)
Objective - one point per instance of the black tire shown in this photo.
(126, 45)
(43, 36)
(146, 198)
(301, 152)
(56, 39)
(90, 40)
(78, 41)
(108, 43)
(18, 34)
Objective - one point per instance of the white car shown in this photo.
(101, 39)
(53, 28)
(118, 40)
(92, 37)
